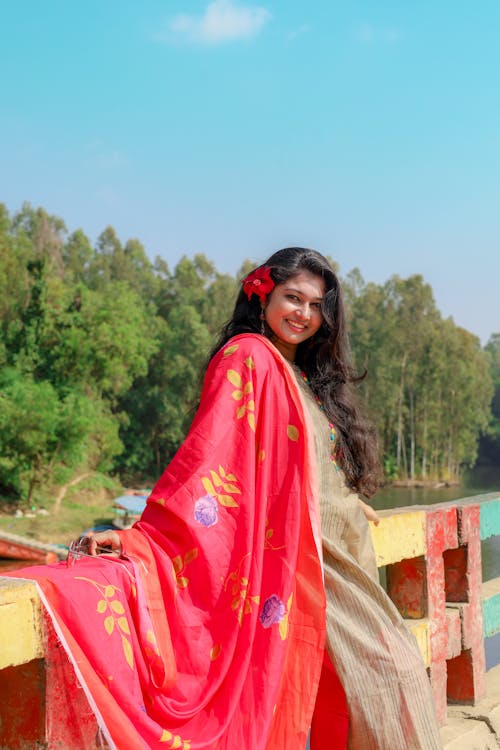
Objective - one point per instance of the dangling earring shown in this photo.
(262, 322)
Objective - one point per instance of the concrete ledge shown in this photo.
(467, 734)
(476, 726)
(20, 622)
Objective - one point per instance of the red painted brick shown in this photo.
(437, 674)
(455, 574)
(441, 534)
(467, 672)
(70, 721)
(43, 706)
(406, 585)
(22, 706)
(460, 671)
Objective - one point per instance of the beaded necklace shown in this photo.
(330, 424)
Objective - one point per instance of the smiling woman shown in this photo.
(244, 607)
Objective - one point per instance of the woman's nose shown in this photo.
(304, 311)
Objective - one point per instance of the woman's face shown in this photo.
(293, 311)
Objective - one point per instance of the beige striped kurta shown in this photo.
(376, 656)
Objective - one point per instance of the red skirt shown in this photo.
(330, 723)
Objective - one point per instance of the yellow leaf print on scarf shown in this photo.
(269, 535)
(221, 486)
(215, 652)
(242, 600)
(179, 563)
(122, 623)
(243, 393)
(127, 650)
(116, 610)
(175, 741)
(109, 624)
(283, 626)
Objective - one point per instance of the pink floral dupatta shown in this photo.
(209, 633)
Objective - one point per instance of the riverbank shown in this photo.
(422, 484)
(81, 510)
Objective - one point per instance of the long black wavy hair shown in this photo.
(325, 358)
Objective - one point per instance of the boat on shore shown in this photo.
(14, 547)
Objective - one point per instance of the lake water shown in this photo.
(477, 482)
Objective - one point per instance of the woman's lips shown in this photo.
(295, 326)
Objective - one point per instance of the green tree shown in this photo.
(46, 234)
(70, 350)
(42, 434)
(78, 256)
(428, 388)
(161, 405)
(489, 448)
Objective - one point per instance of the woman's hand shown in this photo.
(104, 542)
(370, 513)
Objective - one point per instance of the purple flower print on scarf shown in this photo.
(272, 611)
(206, 510)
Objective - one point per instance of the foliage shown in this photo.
(490, 440)
(102, 350)
(428, 387)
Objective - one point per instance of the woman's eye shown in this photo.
(292, 297)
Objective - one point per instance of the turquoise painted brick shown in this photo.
(491, 616)
(490, 518)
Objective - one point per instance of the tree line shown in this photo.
(102, 349)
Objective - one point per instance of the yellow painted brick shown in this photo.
(399, 536)
(20, 623)
(16, 589)
(420, 629)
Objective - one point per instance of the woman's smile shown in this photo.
(295, 325)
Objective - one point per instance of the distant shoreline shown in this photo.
(423, 483)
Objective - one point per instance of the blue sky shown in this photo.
(368, 130)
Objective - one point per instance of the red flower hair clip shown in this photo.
(259, 282)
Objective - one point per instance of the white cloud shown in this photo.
(221, 21)
(368, 33)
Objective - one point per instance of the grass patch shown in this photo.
(85, 505)
(60, 529)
